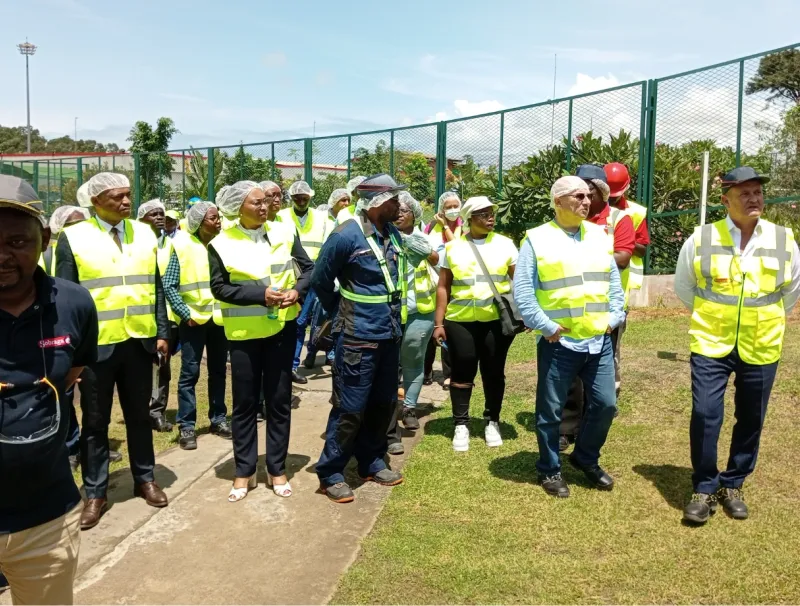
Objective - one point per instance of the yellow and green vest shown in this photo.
(195, 283)
(313, 233)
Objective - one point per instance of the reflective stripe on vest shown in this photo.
(637, 213)
(122, 284)
(614, 217)
(737, 306)
(574, 277)
(163, 256)
(312, 234)
(195, 279)
(424, 289)
(471, 297)
(250, 263)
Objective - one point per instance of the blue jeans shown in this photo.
(419, 329)
(193, 340)
(557, 367)
(753, 385)
(303, 321)
(364, 399)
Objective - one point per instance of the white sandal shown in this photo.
(237, 494)
(282, 490)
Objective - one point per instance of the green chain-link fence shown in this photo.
(658, 128)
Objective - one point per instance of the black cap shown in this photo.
(741, 175)
(590, 172)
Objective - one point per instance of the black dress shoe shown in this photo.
(160, 424)
(222, 429)
(310, 361)
(410, 420)
(298, 378)
(428, 380)
(114, 456)
(698, 510)
(733, 502)
(554, 485)
(595, 474)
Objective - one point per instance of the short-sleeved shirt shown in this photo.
(624, 238)
(56, 333)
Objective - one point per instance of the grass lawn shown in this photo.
(475, 528)
(161, 441)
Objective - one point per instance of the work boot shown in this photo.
(594, 473)
(338, 493)
(151, 493)
(396, 448)
(410, 420)
(310, 361)
(160, 424)
(188, 439)
(733, 502)
(554, 485)
(298, 378)
(385, 477)
(222, 429)
(93, 510)
(698, 510)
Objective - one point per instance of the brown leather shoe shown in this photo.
(151, 493)
(93, 510)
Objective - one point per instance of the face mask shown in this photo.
(451, 214)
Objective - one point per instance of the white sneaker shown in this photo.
(493, 434)
(461, 439)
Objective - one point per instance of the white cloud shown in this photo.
(587, 84)
(274, 60)
(467, 108)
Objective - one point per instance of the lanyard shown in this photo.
(387, 276)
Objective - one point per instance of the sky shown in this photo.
(247, 70)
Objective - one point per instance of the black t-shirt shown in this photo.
(55, 334)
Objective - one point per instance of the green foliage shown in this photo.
(366, 162)
(415, 171)
(155, 164)
(197, 174)
(469, 179)
(778, 74)
(13, 140)
(323, 186)
(69, 189)
(243, 166)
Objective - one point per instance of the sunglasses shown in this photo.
(484, 214)
(582, 197)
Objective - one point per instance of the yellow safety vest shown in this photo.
(348, 212)
(247, 264)
(638, 213)
(737, 308)
(122, 284)
(195, 284)
(437, 230)
(163, 256)
(615, 215)
(471, 298)
(424, 289)
(49, 255)
(227, 223)
(313, 234)
(574, 277)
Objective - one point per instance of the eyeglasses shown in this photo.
(259, 202)
(484, 214)
(582, 197)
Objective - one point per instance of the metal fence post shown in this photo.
(739, 115)
(391, 153)
(308, 160)
(80, 172)
(48, 182)
(137, 178)
(35, 177)
(183, 176)
(61, 179)
(274, 168)
(500, 158)
(651, 155)
(441, 160)
(642, 169)
(241, 163)
(113, 163)
(568, 159)
(211, 184)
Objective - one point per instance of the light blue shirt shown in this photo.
(526, 281)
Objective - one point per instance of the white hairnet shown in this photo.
(324, 208)
(220, 194)
(150, 205)
(376, 201)
(84, 199)
(104, 181)
(60, 215)
(353, 183)
(234, 197)
(475, 204)
(337, 195)
(196, 214)
(416, 207)
(265, 185)
(605, 190)
(299, 188)
(566, 186)
(448, 195)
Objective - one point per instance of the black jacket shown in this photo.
(67, 269)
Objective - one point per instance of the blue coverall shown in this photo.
(367, 339)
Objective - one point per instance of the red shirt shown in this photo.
(624, 238)
(642, 235)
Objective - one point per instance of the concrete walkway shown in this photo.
(203, 550)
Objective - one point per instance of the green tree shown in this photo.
(155, 164)
(197, 174)
(69, 188)
(778, 74)
(415, 172)
(366, 162)
(13, 140)
(243, 166)
(323, 186)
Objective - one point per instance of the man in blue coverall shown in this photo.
(364, 254)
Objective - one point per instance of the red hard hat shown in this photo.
(618, 178)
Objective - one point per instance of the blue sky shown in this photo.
(246, 70)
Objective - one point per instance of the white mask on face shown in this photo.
(451, 214)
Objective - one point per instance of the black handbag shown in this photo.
(510, 318)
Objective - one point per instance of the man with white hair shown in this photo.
(114, 258)
(567, 287)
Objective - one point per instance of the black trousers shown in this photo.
(474, 344)
(160, 396)
(252, 362)
(129, 369)
(430, 356)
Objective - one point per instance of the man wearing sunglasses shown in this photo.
(48, 333)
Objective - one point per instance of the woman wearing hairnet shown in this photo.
(188, 292)
(253, 278)
(421, 303)
(62, 217)
(338, 200)
(467, 320)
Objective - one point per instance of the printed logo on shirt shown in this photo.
(55, 342)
